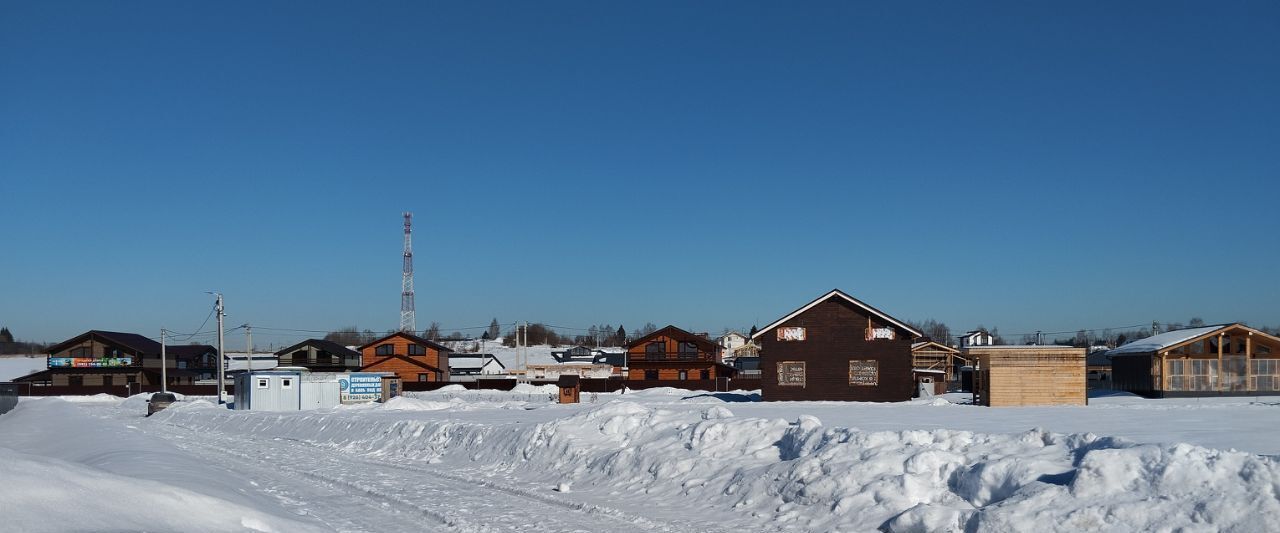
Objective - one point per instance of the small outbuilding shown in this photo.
(294, 389)
(570, 388)
(1028, 375)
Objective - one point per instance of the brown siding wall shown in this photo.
(405, 370)
(836, 335)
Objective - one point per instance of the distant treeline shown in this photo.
(8, 345)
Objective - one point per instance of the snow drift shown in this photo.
(802, 474)
(63, 470)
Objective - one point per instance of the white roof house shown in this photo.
(1165, 340)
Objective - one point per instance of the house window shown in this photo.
(417, 349)
(131, 379)
(385, 349)
(1265, 374)
(655, 350)
(684, 374)
(791, 374)
(108, 381)
(75, 381)
(651, 375)
(706, 374)
(263, 383)
(864, 373)
(688, 350)
(422, 377)
(286, 383)
(82, 352)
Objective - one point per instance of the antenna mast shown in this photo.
(407, 322)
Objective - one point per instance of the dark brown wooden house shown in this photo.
(409, 356)
(836, 348)
(673, 354)
(319, 355)
(111, 358)
(1225, 360)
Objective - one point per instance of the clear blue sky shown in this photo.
(1026, 165)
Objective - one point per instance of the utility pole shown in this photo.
(222, 361)
(248, 348)
(164, 365)
(1155, 328)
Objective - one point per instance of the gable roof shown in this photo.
(412, 338)
(328, 346)
(1176, 338)
(680, 335)
(465, 361)
(837, 293)
(133, 341)
(935, 345)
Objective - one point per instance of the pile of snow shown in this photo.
(402, 403)
(55, 458)
(805, 475)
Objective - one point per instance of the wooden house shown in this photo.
(933, 363)
(319, 355)
(409, 356)
(1028, 375)
(836, 348)
(673, 354)
(111, 358)
(1223, 360)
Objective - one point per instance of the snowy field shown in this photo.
(16, 366)
(657, 460)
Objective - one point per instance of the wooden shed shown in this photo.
(836, 348)
(1009, 376)
(570, 388)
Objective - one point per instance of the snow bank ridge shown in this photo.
(822, 478)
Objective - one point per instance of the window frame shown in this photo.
(782, 370)
(390, 349)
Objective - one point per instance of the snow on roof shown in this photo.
(1159, 342)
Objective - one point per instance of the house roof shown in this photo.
(680, 335)
(183, 351)
(1173, 339)
(936, 345)
(328, 346)
(406, 358)
(466, 361)
(132, 341)
(413, 338)
(837, 293)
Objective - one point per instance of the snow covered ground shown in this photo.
(16, 366)
(656, 460)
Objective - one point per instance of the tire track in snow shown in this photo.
(551, 517)
(376, 500)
